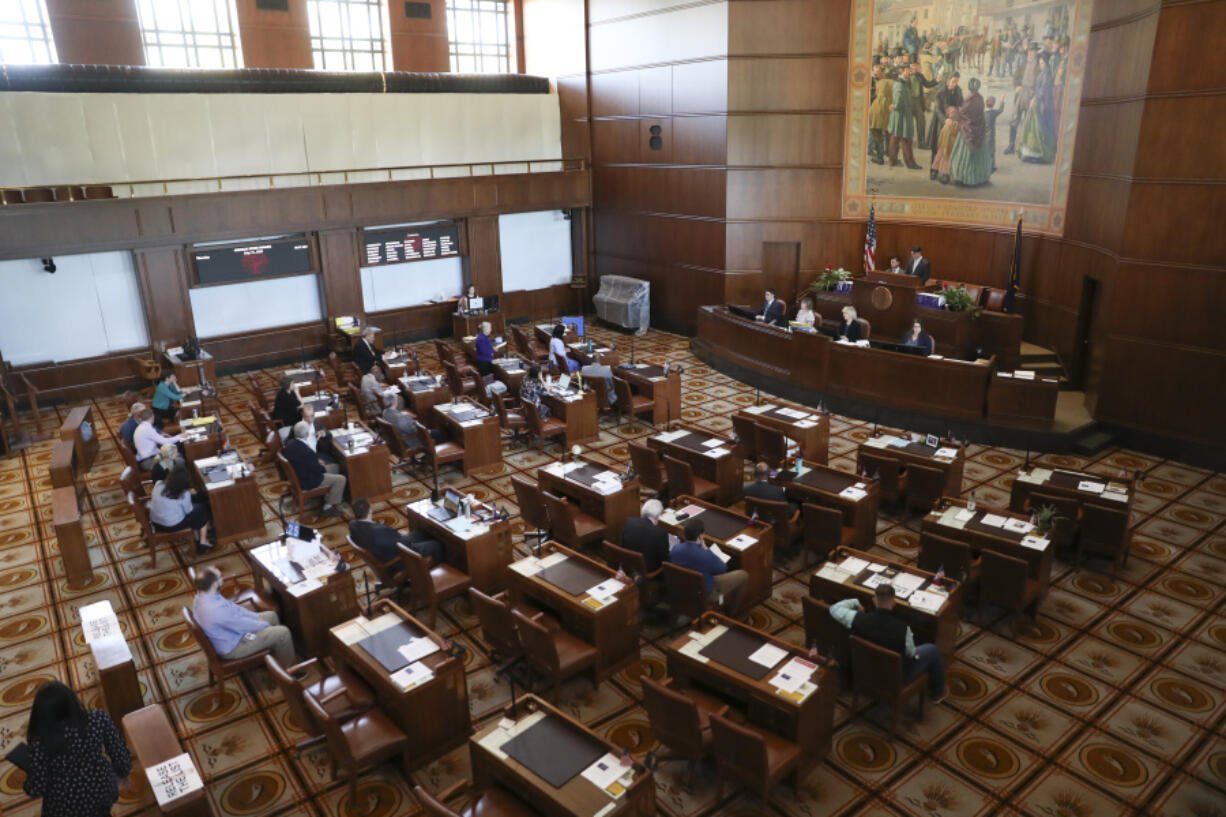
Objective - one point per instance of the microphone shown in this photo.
(366, 581)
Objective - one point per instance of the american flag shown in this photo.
(870, 241)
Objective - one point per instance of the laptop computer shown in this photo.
(450, 507)
(563, 382)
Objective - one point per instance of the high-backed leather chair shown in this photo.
(542, 427)
(955, 558)
(431, 584)
(646, 462)
(683, 482)
(630, 403)
(131, 483)
(156, 538)
(127, 454)
(392, 575)
(295, 487)
(685, 590)
(360, 743)
(891, 473)
(925, 487)
(492, 802)
(220, 668)
(341, 693)
(556, 654)
(866, 328)
(570, 525)
(771, 445)
(1104, 532)
(463, 380)
(995, 301)
(780, 516)
(406, 457)
(681, 720)
(833, 640)
(497, 628)
(439, 454)
(876, 673)
(531, 507)
(512, 421)
(1004, 581)
(651, 584)
(824, 530)
(447, 353)
(746, 433)
(754, 757)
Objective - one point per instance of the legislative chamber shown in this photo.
(500, 408)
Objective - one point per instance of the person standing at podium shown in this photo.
(772, 309)
(918, 265)
(364, 355)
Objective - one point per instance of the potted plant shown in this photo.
(957, 299)
(828, 279)
(1045, 518)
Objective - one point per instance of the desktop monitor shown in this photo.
(576, 321)
(476, 303)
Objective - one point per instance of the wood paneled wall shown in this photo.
(419, 44)
(274, 38)
(92, 32)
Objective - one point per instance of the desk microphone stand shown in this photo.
(366, 582)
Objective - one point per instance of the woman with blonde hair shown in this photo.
(849, 329)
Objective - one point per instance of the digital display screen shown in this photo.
(258, 259)
(420, 242)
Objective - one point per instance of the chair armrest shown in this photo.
(451, 791)
(301, 665)
(659, 571)
(334, 694)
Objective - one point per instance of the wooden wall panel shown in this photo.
(700, 87)
(274, 38)
(1181, 66)
(340, 260)
(783, 193)
(1107, 137)
(90, 32)
(670, 240)
(787, 84)
(688, 191)
(1118, 59)
(1169, 146)
(419, 45)
(484, 254)
(163, 277)
(786, 139)
(787, 27)
(700, 140)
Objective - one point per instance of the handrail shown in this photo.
(302, 178)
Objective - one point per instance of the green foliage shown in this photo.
(827, 280)
(957, 299)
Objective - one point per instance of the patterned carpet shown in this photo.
(1113, 703)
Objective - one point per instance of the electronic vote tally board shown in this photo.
(418, 242)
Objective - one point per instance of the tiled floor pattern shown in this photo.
(1112, 703)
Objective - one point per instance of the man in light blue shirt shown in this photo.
(724, 587)
(235, 631)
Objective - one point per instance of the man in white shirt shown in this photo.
(148, 440)
(918, 265)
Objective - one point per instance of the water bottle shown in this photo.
(970, 503)
(800, 466)
(195, 414)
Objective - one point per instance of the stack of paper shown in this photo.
(793, 413)
(716, 453)
(768, 655)
(793, 675)
(1090, 486)
(413, 675)
(1018, 526)
(1036, 476)
(606, 589)
(351, 632)
(878, 442)
(946, 453)
(98, 621)
(526, 567)
(610, 775)
(724, 557)
(925, 601)
(992, 520)
(761, 409)
(853, 493)
(418, 648)
(908, 581)
(1035, 542)
(833, 573)
(174, 778)
(853, 565)
(741, 541)
(669, 436)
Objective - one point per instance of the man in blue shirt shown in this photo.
(128, 430)
(235, 631)
(724, 587)
(885, 629)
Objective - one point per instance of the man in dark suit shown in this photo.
(762, 488)
(772, 310)
(381, 540)
(313, 472)
(364, 355)
(918, 265)
(644, 535)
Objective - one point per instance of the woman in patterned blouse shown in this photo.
(531, 388)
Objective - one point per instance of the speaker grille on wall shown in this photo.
(272, 5)
(417, 11)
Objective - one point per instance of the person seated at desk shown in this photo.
(148, 440)
(312, 439)
(381, 540)
(806, 315)
(76, 760)
(313, 472)
(849, 329)
(172, 506)
(643, 534)
(557, 351)
(594, 370)
(531, 388)
(896, 266)
(129, 425)
(364, 355)
(167, 456)
(763, 488)
(916, 336)
(286, 407)
(772, 309)
(885, 629)
(370, 393)
(165, 397)
(235, 631)
(918, 265)
(466, 300)
(724, 587)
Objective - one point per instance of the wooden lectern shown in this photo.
(76, 428)
(887, 301)
(70, 536)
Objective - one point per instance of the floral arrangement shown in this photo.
(828, 279)
(957, 299)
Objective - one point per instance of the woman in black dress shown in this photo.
(78, 762)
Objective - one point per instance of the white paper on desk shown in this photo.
(526, 567)
(1090, 487)
(993, 520)
(225, 483)
(692, 510)
(1036, 476)
(793, 413)
(876, 568)
(303, 587)
(412, 675)
(793, 675)
(853, 565)
(936, 357)
(1018, 525)
(318, 572)
(669, 436)
(98, 621)
(351, 632)
(898, 442)
(909, 581)
(606, 589)
(833, 573)
(716, 453)
(608, 476)
(604, 487)
(853, 493)
(946, 453)
(875, 580)
(768, 655)
(1035, 542)
(110, 651)
(724, 557)
(760, 409)
(964, 515)
(928, 602)
(1118, 496)
(418, 649)
(878, 442)
(174, 778)
(1023, 374)
(605, 771)
(553, 559)
(693, 649)
(711, 443)
(805, 424)
(741, 541)
(459, 524)
(1004, 374)
(383, 622)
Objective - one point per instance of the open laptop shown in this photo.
(563, 382)
(450, 507)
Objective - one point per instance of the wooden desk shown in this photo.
(940, 628)
(309, 607)
(1066, 483)
(578, 411)
(351, 334)
(823, 485)
(807, 723)
(303, 376)
(481, 436)
(118, 679)
(325, 415)
(511, 371)
(758, 559)
(483, 552)
(422, 394)
(811, 430)
(237, 510)
(152, 740)
(544, 334)
(193, 372)
(1021, 401)
(600, 355)
(64, 465)
(70, 537)
(73, 432)
(650, 381)
(612, 509)
(917, 453)
(434, 714)
(726, 471)
(578, 797)
(463, 326)
(197, 401)
(398, 364)
(202, 442)
(367, 468)
(978, 537)
(612, 629)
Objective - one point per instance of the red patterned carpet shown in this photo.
(1113, 703)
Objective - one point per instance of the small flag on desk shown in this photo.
(1015, 271)
(870, 241)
